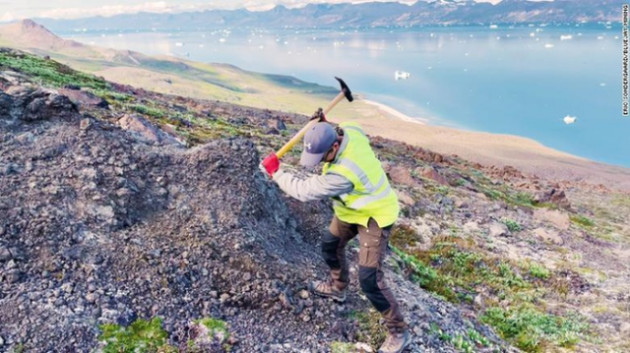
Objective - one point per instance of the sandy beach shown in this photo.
(385, 109)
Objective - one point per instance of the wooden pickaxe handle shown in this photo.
(295, 139)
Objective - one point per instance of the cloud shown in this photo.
(569, 119)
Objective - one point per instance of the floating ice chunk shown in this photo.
(222, 40)
(494, 26)
(566, 37)
(548, 45)
(569, 119)
(401, 75)
(179, 44)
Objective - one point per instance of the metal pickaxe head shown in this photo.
(345, 89)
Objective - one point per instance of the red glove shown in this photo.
(319, 115)
(271, 163)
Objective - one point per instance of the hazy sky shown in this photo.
(17, 9)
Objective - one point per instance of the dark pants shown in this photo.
(373, 247)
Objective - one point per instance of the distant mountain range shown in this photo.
(366, 15)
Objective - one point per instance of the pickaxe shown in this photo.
(345, 93)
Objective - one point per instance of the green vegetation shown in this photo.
(454, 270)
(523, 199)
(111, 97)
(465, 343)
(49, 72)
(426, 277)
(460, 182)
(19, 348)
(456, 274)
(539, 271)
(216, 328)
(139, 337)
(370, 329)
(194, 129)
(150, 111)
(500, 191)
(533, 331)
(582, 221)
(512, 225)
(217, 333)
(443, 190)
(341, 347)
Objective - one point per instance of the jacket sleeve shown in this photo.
(316, 187)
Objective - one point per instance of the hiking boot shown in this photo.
(395, 342)
(329, 290)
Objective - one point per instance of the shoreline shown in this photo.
(395, 113)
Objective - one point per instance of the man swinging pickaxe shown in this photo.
(363, 202)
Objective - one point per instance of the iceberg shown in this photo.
(401, 75)
(569, 119)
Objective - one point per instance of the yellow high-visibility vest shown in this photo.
(372, 195)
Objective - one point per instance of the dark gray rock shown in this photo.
(5, 254)
(6, 104)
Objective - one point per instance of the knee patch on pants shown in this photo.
(369, 285)
(330, 243)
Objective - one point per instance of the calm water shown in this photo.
(520, 81)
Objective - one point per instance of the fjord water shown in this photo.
(521, 81)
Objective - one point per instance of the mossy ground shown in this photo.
(142, 336)
(513, 294)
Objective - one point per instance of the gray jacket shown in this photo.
(316, 187)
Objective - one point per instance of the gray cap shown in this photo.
(317, 141)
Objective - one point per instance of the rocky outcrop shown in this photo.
(29, 104)
(83, 98)
(146, 131)
(556, 196)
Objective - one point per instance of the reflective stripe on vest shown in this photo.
(369, 198)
